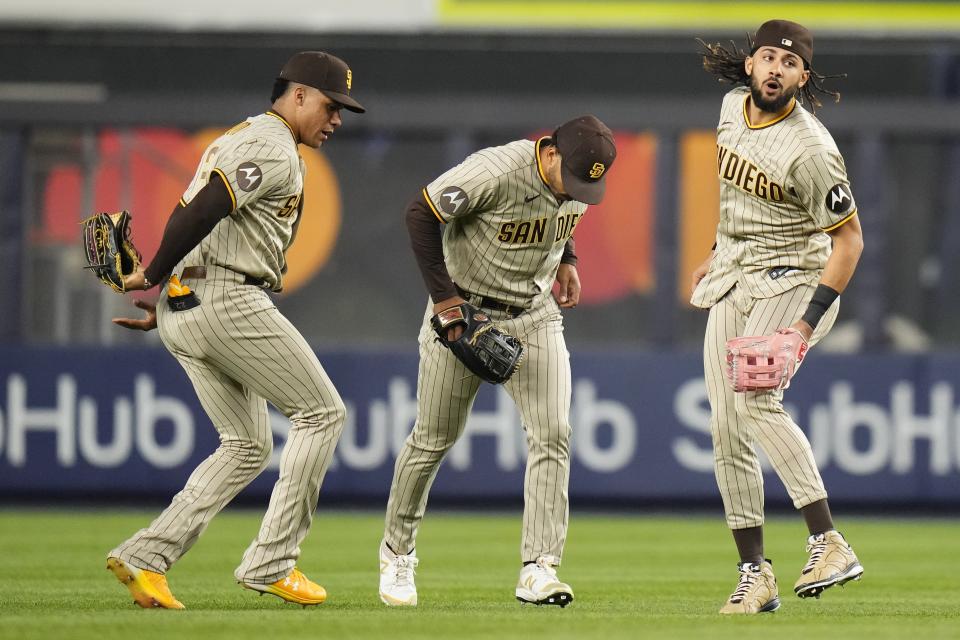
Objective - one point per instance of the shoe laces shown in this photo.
(816, 546)
(547, 564)
(748, 577)
(405, 570)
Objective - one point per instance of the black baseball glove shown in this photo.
(484, 348)
(109, 248)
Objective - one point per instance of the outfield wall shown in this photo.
(87, 423)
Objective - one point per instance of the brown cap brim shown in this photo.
(348, 103)
(581, 190)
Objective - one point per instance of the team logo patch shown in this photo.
(482, 317)
(249, 176)
(786, 42)
(597, 170)
(453, 200)
(839, 199)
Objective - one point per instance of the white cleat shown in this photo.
(397, 587)
(538, 584)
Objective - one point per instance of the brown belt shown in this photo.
(491, 303)
(200, 273)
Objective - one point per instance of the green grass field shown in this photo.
(643, 576)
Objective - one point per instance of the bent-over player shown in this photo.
(787, 245)
(496, 231)
(222, 250)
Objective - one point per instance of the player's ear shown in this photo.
(553, 155)
(804, 77)
(748, 65)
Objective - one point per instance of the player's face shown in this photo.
(318, 117)
(776, 76)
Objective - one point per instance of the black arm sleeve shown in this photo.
(188, 225)
(569, 253)
(426, 238)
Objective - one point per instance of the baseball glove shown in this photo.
(762, 363)
(484, 348)
(109, 248)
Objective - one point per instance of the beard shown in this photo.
(771, 106)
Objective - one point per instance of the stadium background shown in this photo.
(104, 107)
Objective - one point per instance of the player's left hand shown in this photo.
(569, 293)
(148, 322)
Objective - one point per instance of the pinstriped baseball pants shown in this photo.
(240, 353)
(740, 420)
(445, 393)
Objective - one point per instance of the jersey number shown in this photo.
(208, 164)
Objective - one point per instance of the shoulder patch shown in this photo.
(453, 200)
(839, 199)
(249, 176)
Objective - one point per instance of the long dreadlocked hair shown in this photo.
(727, 65)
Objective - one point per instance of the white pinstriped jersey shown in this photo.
(783, 185)
(259, 162)
(505, 230)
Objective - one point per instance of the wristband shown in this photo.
(822, 298)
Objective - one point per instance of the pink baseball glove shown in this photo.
(761, 363)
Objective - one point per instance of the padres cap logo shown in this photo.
(597, 170)
(249, 176)
(349, 79)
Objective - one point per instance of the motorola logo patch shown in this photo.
(839, 199)
(249, 176)
(453, 200)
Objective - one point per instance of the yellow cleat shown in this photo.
(149, 589)
(756, 590)
(832, 561)
(296, 588)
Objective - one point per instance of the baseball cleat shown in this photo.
(756, 590)
(296, 588)
(538, 584)
(149, 589)
(831, 562)
(397, 586)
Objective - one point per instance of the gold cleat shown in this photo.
(149, 589)
(831, 562)
(756, 591)
(295, 588)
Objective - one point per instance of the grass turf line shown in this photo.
(636, 576)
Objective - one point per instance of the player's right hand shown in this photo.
(700, 273)
(455, 331)
(148, 322)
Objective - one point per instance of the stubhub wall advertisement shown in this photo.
(89, 422)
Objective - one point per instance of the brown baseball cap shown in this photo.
(587, 151)
(323, 71)
(784, 34)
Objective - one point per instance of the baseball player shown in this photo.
(496, 231)
(223, 249)
(787, 244)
